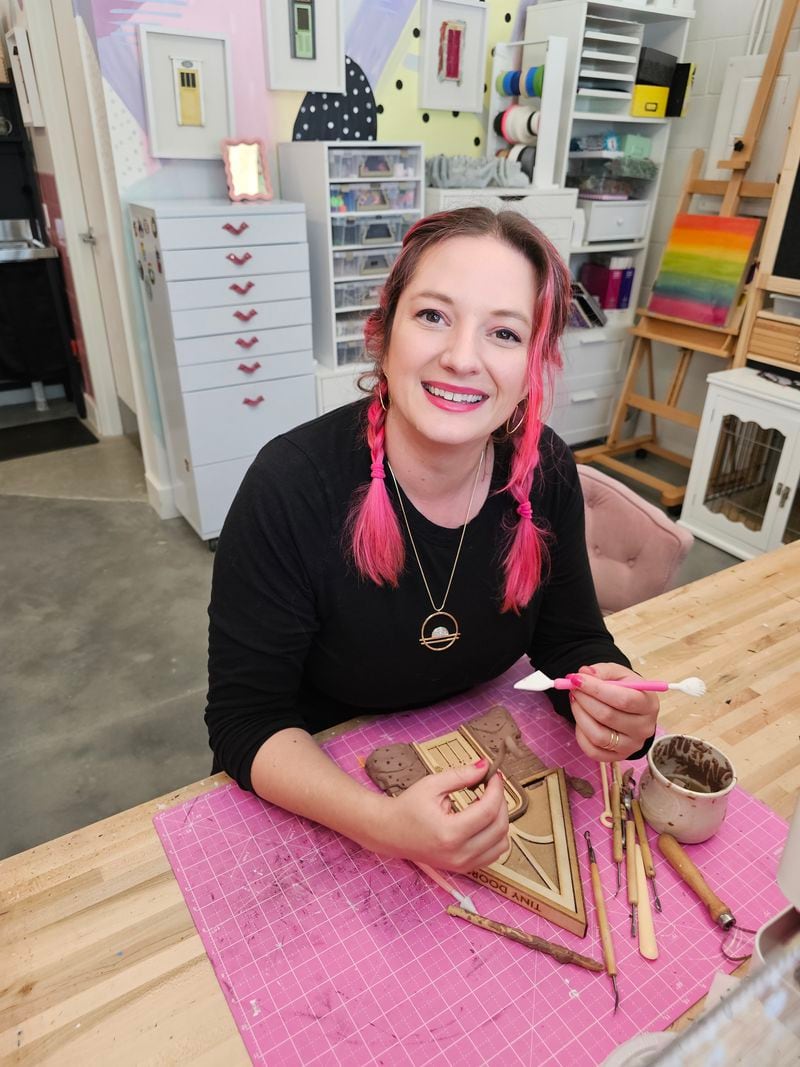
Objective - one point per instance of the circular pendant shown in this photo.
(439, 631)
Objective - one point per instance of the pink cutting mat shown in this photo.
(327, 954)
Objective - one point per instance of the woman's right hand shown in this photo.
(422, 825)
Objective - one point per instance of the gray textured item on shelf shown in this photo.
(471, 172)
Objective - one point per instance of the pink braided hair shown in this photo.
(372, 531)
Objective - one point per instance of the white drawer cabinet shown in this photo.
(743, 492)
(226, 295)
(614, 220)
(551, 210)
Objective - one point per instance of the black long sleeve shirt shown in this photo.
(298, 639)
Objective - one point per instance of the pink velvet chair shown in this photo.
(635, 550)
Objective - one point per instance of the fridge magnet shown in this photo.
(452, 58)
(188, 92)
(304, 45)
(154, 228)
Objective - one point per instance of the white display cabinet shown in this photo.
(743, 490)
(361, 199)
(226, 296)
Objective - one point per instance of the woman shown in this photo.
(410, 546)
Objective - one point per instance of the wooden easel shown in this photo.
(766, 336)
(686, 336)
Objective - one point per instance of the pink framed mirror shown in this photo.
(246, 170)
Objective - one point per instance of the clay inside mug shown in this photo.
(684, 790)
(692, 764)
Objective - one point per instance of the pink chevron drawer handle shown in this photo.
(243, 343)
(253, 401)
(251, 369)
(241, 289)
(237, 231)
(245, 316)
(238, 261)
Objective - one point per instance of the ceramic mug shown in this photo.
(684, 791)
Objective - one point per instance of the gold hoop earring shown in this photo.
(511, 430)
(384, 405)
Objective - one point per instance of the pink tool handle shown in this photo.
(643, 685)
(245, 316)
(239, 261)
(236, 230)
(253, 402)
(249, 370)
(242, 343)
(241, 289)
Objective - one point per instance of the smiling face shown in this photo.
(457, 358)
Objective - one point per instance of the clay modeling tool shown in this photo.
(602, 920)
(605, 815)
(738, 944)
(464, 901)
(647, 934)
(647, 855)
(558, 952)
(616, 818)
(539, 681)
(630, 861)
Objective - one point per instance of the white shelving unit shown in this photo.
(743, 493)
(361, 198)
(604, 40)
(520, 55)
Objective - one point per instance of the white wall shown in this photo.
(718, 33)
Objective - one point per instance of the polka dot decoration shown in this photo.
(348, 116)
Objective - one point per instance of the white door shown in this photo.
(70, 85)
(80, 231)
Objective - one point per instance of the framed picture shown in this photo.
(187, 91)
(19, 54)
(452, 57)
(304, 45)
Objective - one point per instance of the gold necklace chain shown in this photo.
(434, 632)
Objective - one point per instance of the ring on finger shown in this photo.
(613, 741)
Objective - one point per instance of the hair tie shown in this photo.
(524, 510)
(377, 471)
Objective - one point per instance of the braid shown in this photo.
(376, 542)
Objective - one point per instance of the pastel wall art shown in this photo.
(452, 57)
(704, 268)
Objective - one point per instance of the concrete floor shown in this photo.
(103, 629)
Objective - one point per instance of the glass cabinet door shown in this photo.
(740, 481)
(742, 493)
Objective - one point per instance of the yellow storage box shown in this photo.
(650, 101)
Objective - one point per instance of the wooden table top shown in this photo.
(100, 959)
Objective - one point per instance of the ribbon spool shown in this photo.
(517, 124)
(507, 82)
(531, 84)
(525, 155)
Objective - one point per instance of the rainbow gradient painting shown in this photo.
(703, 269)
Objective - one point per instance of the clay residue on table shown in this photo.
(694, 765)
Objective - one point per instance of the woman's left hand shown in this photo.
(611, 721)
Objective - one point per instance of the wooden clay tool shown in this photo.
(738, 938)
(647, 855)
(602, 920)
(647, 934)
(605, 815)
(616, 818)
(630, 861)
(558, 952)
